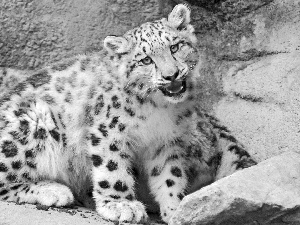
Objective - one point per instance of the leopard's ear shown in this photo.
(116, 45)
(180, 17)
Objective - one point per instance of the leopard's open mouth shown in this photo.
(174, 89)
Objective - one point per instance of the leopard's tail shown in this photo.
(232, 155)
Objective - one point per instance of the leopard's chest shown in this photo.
(158, 128)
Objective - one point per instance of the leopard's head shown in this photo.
(156, 56)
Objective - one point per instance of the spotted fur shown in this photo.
(110, 119)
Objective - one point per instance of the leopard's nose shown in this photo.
(172, 78)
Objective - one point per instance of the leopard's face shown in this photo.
(158, 56)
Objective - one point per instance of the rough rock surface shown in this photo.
(35, 32)
(267, 193)
(249, 75)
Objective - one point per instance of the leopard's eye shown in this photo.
(174, 48)
(147, 60)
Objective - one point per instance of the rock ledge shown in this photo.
(268, 193)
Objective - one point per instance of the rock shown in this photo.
(268, 193)
(262, 104)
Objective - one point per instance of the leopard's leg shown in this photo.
(113, 180)
(168, 180)
(26, 129)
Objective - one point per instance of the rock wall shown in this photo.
(250, 71)
(36, 32)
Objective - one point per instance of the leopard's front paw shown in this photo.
(52, 194)
(123, 211)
